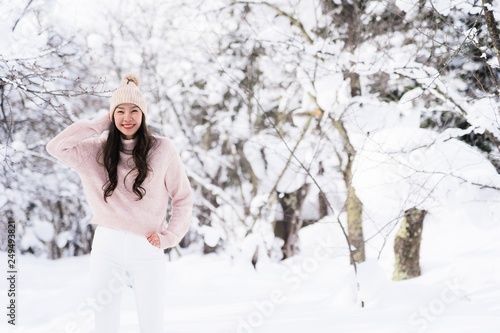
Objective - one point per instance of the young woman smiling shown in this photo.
(128, 177)
(128, 119)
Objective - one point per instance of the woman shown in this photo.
(128, 178)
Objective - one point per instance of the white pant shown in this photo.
(120, 258)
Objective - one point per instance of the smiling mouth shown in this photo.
(128, 126)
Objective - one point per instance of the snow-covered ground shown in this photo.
(459, 290)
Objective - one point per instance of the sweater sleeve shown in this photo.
(179, 189)
(67, 146)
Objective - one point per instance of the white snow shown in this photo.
(211, 235)
(44, 230)
(63, 238)
(459, 290)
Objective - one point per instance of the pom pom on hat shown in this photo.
(128, 92)
(132, 77)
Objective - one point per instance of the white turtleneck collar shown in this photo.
(128, 145)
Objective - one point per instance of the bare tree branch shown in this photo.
(295, 22)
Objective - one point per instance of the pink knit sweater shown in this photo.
(79, 145)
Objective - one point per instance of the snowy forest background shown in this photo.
(329, 111)
(300, 122)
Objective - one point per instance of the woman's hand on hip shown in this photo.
(154, 240)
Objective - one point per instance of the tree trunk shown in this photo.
(354, 208)
(407, 245)
(204, 216)
(353, 205)
(289, 227)
(492, 27)
(322, 200)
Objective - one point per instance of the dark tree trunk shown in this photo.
(289, 227)
(492, 27)
(322, 200)
(407, 245)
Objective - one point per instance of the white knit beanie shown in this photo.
(128, 92)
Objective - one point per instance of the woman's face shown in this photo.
(128, 119)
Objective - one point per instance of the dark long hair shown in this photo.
(111, 156)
